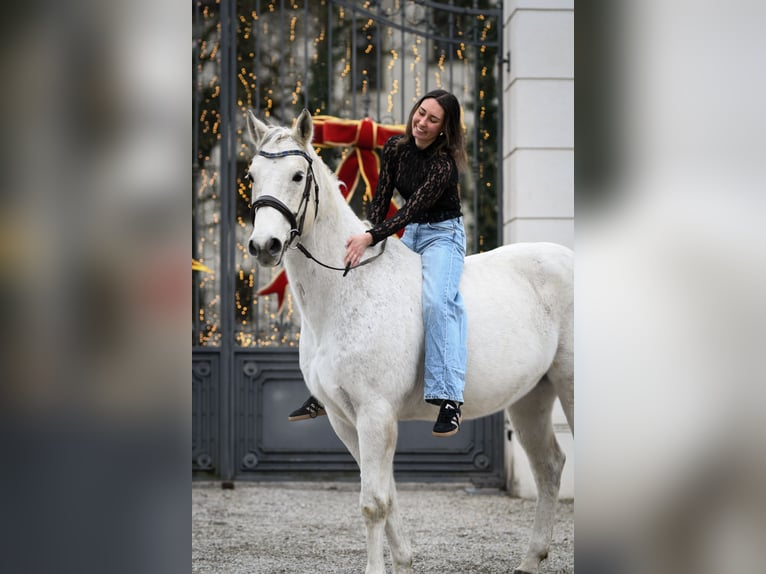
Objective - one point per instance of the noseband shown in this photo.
(297, 219)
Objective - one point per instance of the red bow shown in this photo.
(364, 136)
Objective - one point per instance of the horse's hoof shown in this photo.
(521, 572)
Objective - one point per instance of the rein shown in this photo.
(297, 219)
(347, 268)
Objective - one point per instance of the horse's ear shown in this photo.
(304, 128)
(255, 128)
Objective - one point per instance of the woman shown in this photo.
(423, 165)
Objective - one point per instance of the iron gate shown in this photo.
(345, 60)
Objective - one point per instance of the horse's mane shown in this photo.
(276, 134)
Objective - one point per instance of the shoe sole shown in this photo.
(320, 413)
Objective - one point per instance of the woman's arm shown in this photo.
(385, 188)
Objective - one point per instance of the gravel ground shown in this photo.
(304, 527)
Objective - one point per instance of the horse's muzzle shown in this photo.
(268, 254)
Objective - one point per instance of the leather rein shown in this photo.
(297, 219)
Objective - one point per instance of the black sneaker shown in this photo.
(311, 409)
(448, 421)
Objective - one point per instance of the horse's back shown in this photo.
(519, 302)
(520, 269)
(553, 258)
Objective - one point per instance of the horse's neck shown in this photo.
(325, 238)
(334, 220)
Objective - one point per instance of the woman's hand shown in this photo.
(355, 246)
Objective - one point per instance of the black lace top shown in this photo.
(428, 181)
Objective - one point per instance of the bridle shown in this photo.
(297, 219)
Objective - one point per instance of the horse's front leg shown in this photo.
(377, 431)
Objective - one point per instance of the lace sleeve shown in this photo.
(385, 188)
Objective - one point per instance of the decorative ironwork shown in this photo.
(205, 412)
(362, 62)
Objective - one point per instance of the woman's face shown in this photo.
(427, 122)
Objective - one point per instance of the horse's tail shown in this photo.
(561, 371)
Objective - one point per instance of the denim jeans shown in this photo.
(442, 250)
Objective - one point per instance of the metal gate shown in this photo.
(347, 61)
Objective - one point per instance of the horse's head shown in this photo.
(283, 186)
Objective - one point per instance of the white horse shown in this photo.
(361, 347)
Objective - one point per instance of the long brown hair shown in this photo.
(451, 138)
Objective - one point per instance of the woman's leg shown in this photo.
(442, 249)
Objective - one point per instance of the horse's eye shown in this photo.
(298, 177)
(247, 176)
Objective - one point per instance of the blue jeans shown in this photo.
(442, 250)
